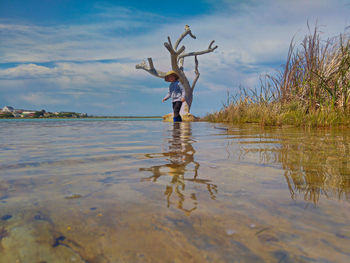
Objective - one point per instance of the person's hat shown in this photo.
(169, 73)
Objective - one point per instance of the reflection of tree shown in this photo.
(179, 156)
(316, 163)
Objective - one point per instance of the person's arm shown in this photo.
(167, 96)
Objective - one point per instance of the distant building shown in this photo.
(8, 109)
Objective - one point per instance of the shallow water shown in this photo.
(148, 191)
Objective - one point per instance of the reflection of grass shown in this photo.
(316, 164)
(313, 89)
(312, 171)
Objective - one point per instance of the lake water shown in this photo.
(110, 190)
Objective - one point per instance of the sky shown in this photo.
(65, 55)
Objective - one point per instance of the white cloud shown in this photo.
(27, 71)
(40, 99)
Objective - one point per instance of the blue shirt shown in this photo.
(176, 91)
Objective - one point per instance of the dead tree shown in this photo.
(177, 57)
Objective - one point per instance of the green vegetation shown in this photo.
(68, 115)
(313, 88)
(39, 114)
(6, 115)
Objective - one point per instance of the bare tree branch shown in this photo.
(173, 56)
(150, 62)
(169, 41)
(183, 35)
(172, 51)
(177, 57)
(182, 49)
(169, 47)
(181, 64)
(208, 50)
(150, 68)
(197, 73)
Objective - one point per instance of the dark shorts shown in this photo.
(176, 107)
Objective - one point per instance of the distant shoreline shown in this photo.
(124, 117)
(9, 112)
(89, 117)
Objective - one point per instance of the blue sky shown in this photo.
(64, 55)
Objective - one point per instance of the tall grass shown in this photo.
(312, 89)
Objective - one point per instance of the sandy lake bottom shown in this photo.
(148, 191)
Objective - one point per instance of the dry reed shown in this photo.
(312, 89)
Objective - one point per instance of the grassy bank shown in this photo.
(312, 89)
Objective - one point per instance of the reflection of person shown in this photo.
(176, 92)
(180, 158)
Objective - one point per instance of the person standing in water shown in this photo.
(176, 93)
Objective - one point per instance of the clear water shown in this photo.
(149, 191)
